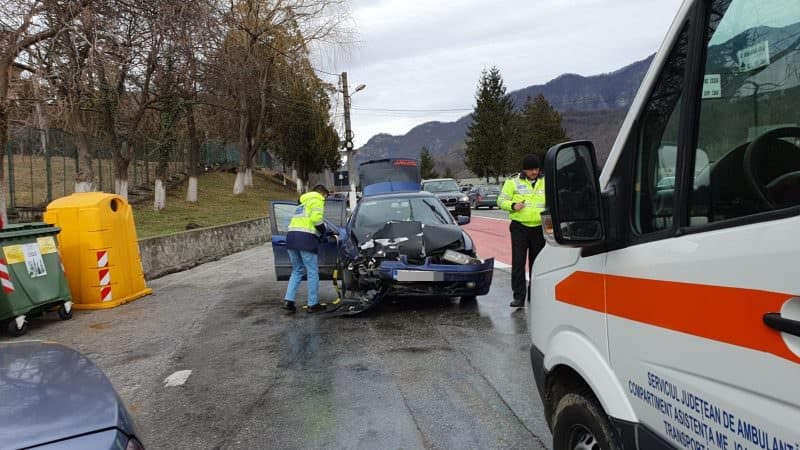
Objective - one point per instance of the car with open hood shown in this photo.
(399, 241)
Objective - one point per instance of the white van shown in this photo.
(666, 314)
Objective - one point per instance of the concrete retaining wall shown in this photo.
(180, 251)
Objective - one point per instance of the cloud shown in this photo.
(422, 54)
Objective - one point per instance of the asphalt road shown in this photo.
(411, 374)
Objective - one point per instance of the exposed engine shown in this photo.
(412, 242)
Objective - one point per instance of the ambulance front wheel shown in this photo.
(14, 330)
(579, 423)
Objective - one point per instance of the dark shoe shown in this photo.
(315, 308)
(517, 304)
(288, 306)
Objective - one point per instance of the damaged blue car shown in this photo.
(398, 242)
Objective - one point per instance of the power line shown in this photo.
(408, 110)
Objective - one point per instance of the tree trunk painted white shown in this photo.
(83, 186)
(299, 185)
(191, 192)
(248, 177)
(121, 188)
(238, 185)
(160, 200)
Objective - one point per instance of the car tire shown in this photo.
(14, 331)
(579, 423)
(468, 299)
(63, 314)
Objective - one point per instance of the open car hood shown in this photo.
(412, 239)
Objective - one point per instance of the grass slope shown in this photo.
(216, 205)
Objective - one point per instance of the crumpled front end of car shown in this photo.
(437, 279)
(408, 259)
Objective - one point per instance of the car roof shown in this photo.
(439, 179)
(391, 195)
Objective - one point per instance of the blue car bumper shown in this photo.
(428, 279)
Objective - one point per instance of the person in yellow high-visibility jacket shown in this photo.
(302, 242)
(523, 198)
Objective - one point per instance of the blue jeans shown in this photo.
(303, 264)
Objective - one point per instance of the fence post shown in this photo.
(64, 167)
(100, 170)
(12, 204)
(33, 198)
(49, 172)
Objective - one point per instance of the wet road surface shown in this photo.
(411, 374)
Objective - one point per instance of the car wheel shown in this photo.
(14, 330)
(579, 423)
(63, 314)
(468, 299)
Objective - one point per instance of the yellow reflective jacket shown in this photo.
(519, 189)
(309, 214)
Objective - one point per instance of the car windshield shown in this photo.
(441, 186)
(372, 215)
(492, 190)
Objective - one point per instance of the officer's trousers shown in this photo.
(526, 243)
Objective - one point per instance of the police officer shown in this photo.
(302, 242)
(523, 198)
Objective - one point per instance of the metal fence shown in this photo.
(39, 169)
(37, 173)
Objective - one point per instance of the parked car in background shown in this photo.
(447, 190)
(54, 398)
(484, 196)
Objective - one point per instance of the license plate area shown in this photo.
(411, 276)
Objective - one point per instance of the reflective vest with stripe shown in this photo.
(519, 189)
(309, 214)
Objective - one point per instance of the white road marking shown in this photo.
(501, 265)
(491, 218)
(507, 268)
(177, 379)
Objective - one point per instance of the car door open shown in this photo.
(282, 212)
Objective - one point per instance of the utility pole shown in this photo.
(348, 143)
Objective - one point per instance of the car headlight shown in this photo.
(464, 199)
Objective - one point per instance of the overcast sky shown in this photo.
(428, 54)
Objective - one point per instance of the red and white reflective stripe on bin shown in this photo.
(5, 277)
(102, 259)
(104, 276)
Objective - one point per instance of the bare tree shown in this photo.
(261, 34)
(22, 25)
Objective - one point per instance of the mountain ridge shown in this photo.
(593, 107)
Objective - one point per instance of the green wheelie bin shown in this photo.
(31, 276)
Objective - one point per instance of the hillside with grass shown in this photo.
(216, 204)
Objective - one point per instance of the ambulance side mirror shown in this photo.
(574, 215)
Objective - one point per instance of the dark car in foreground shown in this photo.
(54, 398)
(448, 191)
(484, 196)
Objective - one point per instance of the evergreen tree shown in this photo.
(426, 164)
(489, 135)
(536, 128)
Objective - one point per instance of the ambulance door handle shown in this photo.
(778, 322)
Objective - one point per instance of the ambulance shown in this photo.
(665, 314)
